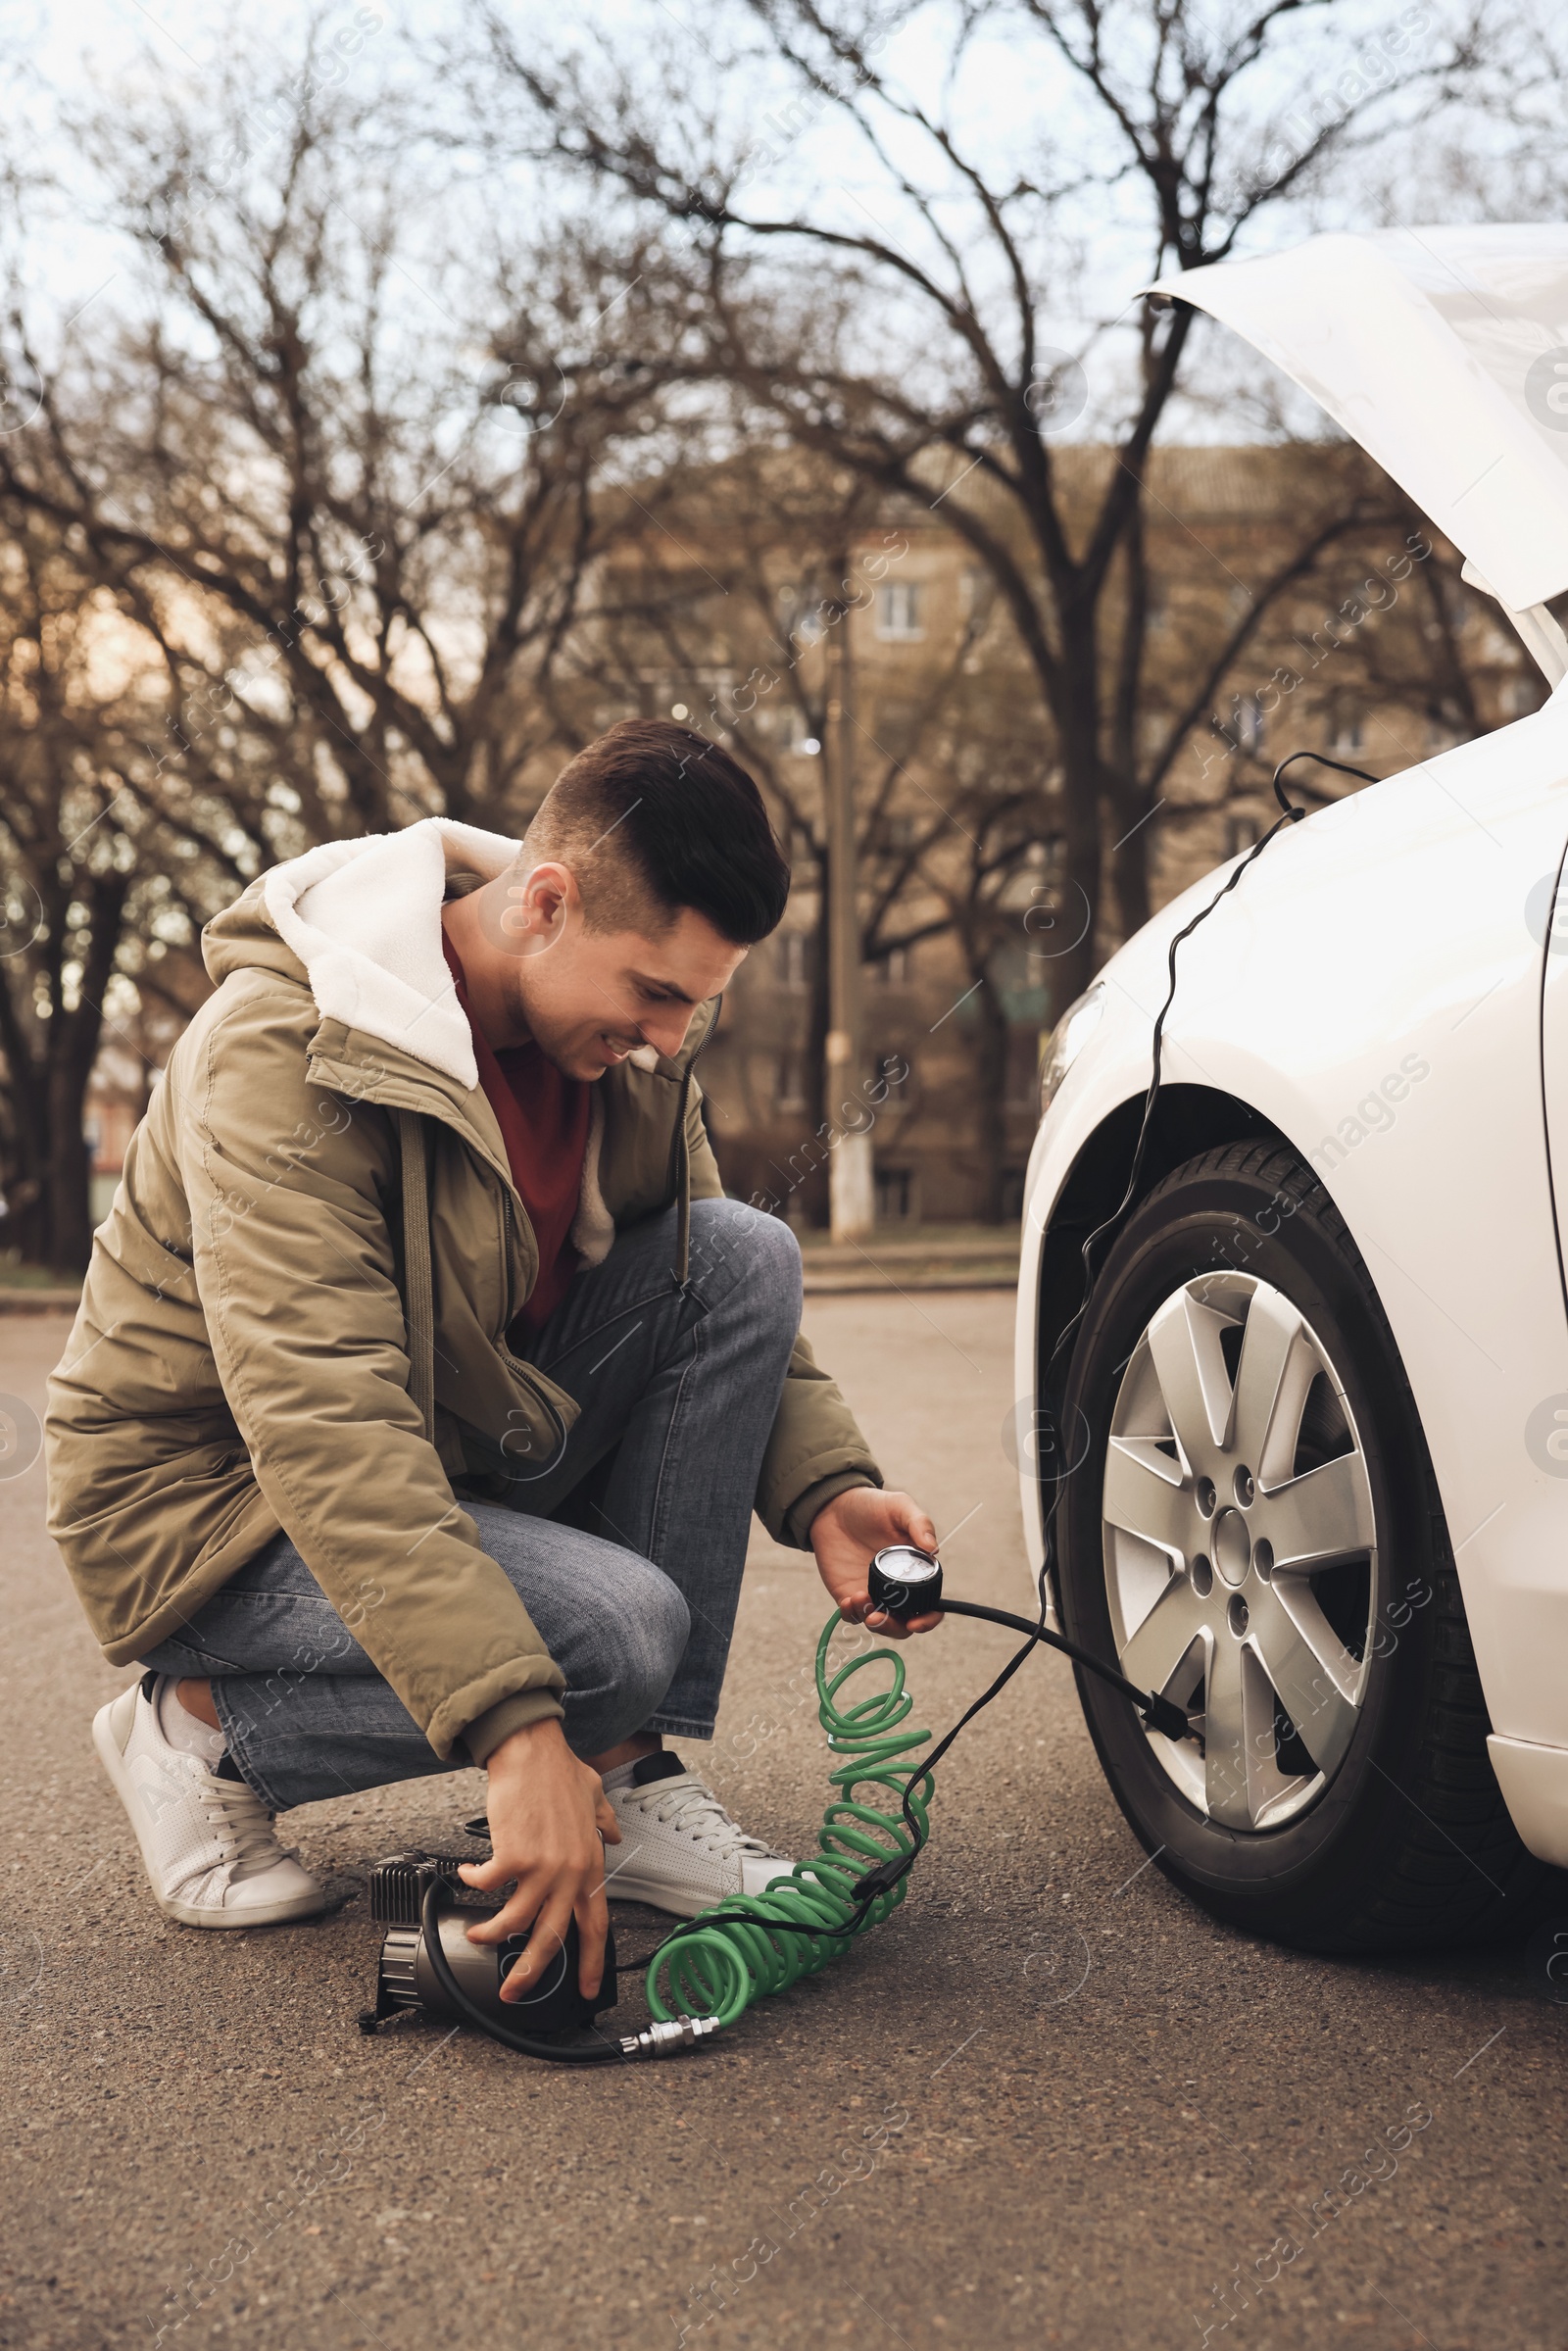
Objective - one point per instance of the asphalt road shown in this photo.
(1048, 2103)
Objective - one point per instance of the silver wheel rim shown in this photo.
(1241, 1548)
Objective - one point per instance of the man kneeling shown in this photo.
(424, 1380)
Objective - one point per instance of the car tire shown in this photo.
(1374, 1823)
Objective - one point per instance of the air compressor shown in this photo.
(708, 1970)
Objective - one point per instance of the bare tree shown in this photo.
(1384, 655)
(345, 491)
(376, 458)
(912, 350)
(70, 863)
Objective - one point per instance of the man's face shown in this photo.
(590, 998)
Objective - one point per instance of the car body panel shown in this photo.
(1390, 931)
(1437, 350)
(1535, 1788)
(1554, 1068)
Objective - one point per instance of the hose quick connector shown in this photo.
(1163, 1714)
(669, 2040)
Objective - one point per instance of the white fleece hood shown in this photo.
(364, 919)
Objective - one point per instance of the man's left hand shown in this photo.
(846, 1535)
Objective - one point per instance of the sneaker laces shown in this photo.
(243, 1821)
(692, 1810)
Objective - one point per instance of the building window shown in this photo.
(897, 609)
(894, 1195)
(899, 833)
(893, 969)
(1247, 723)
(979, 594)
(1346, 733)
(792, 970)
(801, 617)
(1022, 1090)
(792, 1082)
(1241, 832)
(1046, 856)
(898, 726)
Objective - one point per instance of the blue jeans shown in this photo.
(677, 1391)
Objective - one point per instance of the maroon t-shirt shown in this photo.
(543, 1117)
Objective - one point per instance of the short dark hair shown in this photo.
(652, 811)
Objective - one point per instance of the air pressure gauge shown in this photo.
(905, 1581)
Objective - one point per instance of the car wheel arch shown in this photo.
(1187, 1120)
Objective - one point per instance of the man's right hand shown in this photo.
(548, 1814)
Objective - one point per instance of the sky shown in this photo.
(1008, 99)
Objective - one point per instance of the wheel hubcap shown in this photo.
(1240, 1546)
(1232, 1546)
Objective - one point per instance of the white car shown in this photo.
(1304, 1455)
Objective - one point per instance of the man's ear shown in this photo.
(548, 899)
(552, 889)
(523, 913)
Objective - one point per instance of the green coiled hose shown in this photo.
(743, 1949)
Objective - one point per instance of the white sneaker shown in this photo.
(207, 1842)
(679, 1848)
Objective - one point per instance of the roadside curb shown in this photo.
(887, 1265)
(891, 1260)
(821, 1281)
(842, 1282)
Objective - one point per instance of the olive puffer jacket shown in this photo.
(241, 1360)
